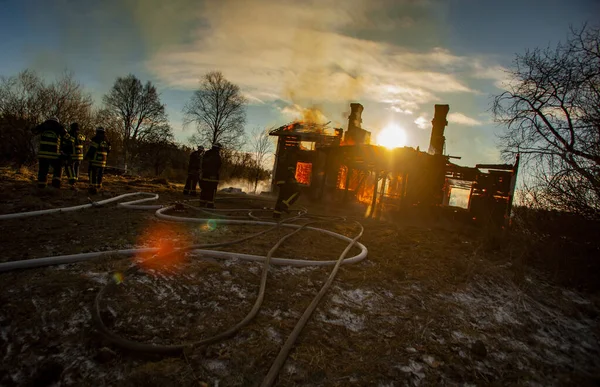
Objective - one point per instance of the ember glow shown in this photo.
(303, 173)
(392, 136)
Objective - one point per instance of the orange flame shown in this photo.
(360, 183)
(165, 237)
(341, 179)
(365, 194)
(303, 172)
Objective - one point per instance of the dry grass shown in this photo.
(431, 295)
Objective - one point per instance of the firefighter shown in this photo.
(97, 155)
(194, 169)
(73, 150)
(49, 155)
(211, 164)
(289, 191)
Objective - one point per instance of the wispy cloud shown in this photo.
(459, 118)
(422, 122)
(291, 51)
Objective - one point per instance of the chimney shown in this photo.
(355, 134)
(437, 141)
(355, 117)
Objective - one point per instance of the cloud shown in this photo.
(422, 122)
(400, 110)
(459, 118)
(302, 54)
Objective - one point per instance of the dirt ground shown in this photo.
(433, 304)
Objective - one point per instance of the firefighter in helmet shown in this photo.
(194, 169)
(97, 155)
(211, 164)
(50, 155)
(73, 150)
(289, 192)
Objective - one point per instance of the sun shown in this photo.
(392, 136)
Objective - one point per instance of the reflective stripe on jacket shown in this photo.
(98, 152)
(73, 146)
(49, 145)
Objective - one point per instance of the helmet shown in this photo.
(200, 148)
(53, 118)
(74, 126)
(100, 129)
(217, 145)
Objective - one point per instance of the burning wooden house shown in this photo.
(336, 166)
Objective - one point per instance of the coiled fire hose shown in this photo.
(224, 219)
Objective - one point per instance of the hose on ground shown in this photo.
(200, 248)
(177, 348)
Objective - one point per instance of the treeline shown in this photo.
(137, 126)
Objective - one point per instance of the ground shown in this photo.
(433, 304)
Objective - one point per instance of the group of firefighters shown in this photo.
(60, 149)
(203, 170)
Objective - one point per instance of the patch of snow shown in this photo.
(413, 368)
(574, 297)
(100, 278)
(344, 318)
(430, 360)
(217, 366)
(273, 335)
(291, 369)
(462, 337)
(239, 292)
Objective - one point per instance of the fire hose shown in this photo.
(202, 250)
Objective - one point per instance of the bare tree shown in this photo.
(261, 146)
(25, 100)
(138, 110)
(217, 109)
(552, 116)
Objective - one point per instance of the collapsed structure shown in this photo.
(334, 165)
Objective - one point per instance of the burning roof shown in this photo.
(302, 127)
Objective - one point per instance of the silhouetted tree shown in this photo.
(26, 100)
(138, 110)
(261, 146)
(552, 115)
(218, 110)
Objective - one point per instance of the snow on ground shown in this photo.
(486, 326)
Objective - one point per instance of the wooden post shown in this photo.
(374, 201)
(382, 193)
(348, 170)
(324, 180)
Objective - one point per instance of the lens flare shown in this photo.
(167, 238)
(211, 224)
(118, 278)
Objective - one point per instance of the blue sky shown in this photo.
(397, 57)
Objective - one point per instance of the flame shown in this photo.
(360, 183)
(165, 237)
(365, 194)
(313, 115)
(303, 172)
(341, 179)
